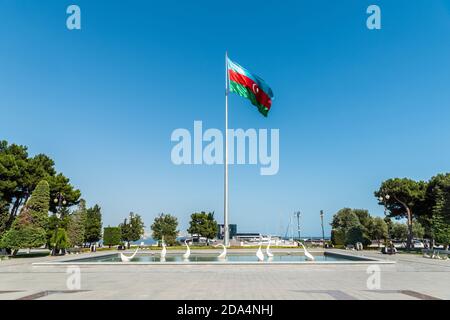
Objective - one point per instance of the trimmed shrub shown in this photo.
(39, 204)
(59, 240)
(354, 235)
(24, 237)
(337, 237)
(29, 228)
(112, 236)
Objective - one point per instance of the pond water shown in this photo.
(210, 257)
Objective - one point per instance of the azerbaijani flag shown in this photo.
(250, 86)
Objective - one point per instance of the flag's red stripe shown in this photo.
(259, 93)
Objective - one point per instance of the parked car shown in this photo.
(399, 244)
(388, 250)
(418, 244)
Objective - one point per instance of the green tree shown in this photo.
(364, 219)
(378, 230)
(19, 176)
(357, 220)
(59, 240)
(212, 228)
(441, 230)
(29, 229)
(165, 225)
(14, 182)
(399, 231)
(60, 184)
(38, 205)
(345, 219)
(403, 198)
(203, 225)
(418, 230)
(338, 237)
(438, 201)
(112, 236)
(55, 221)
(132, 229)
(76, 225)
(93, 225)
(23, 236)
(354, 235)
(4, 215)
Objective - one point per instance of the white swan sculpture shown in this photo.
(223, 255)
(124, 258)
(269, 254)
(433, 255)
(164, 250)
(308, 255)
(188, 251)
(259, 253)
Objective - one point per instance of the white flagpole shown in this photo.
(225, 200)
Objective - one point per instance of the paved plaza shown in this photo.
(411, 277)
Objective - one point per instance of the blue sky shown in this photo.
(354, 106)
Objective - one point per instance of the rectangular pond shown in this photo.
(154, 258)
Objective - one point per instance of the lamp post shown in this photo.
(323, 232)
(60, 201)
(298, 214)
(383, 198)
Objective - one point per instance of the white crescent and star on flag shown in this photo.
(255, 88)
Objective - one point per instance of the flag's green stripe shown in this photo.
(247, 93)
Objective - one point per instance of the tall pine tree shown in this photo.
(93, 224)
(76, 225)
(29, 228)
(440, 221)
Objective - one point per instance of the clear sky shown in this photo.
(353, 106)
